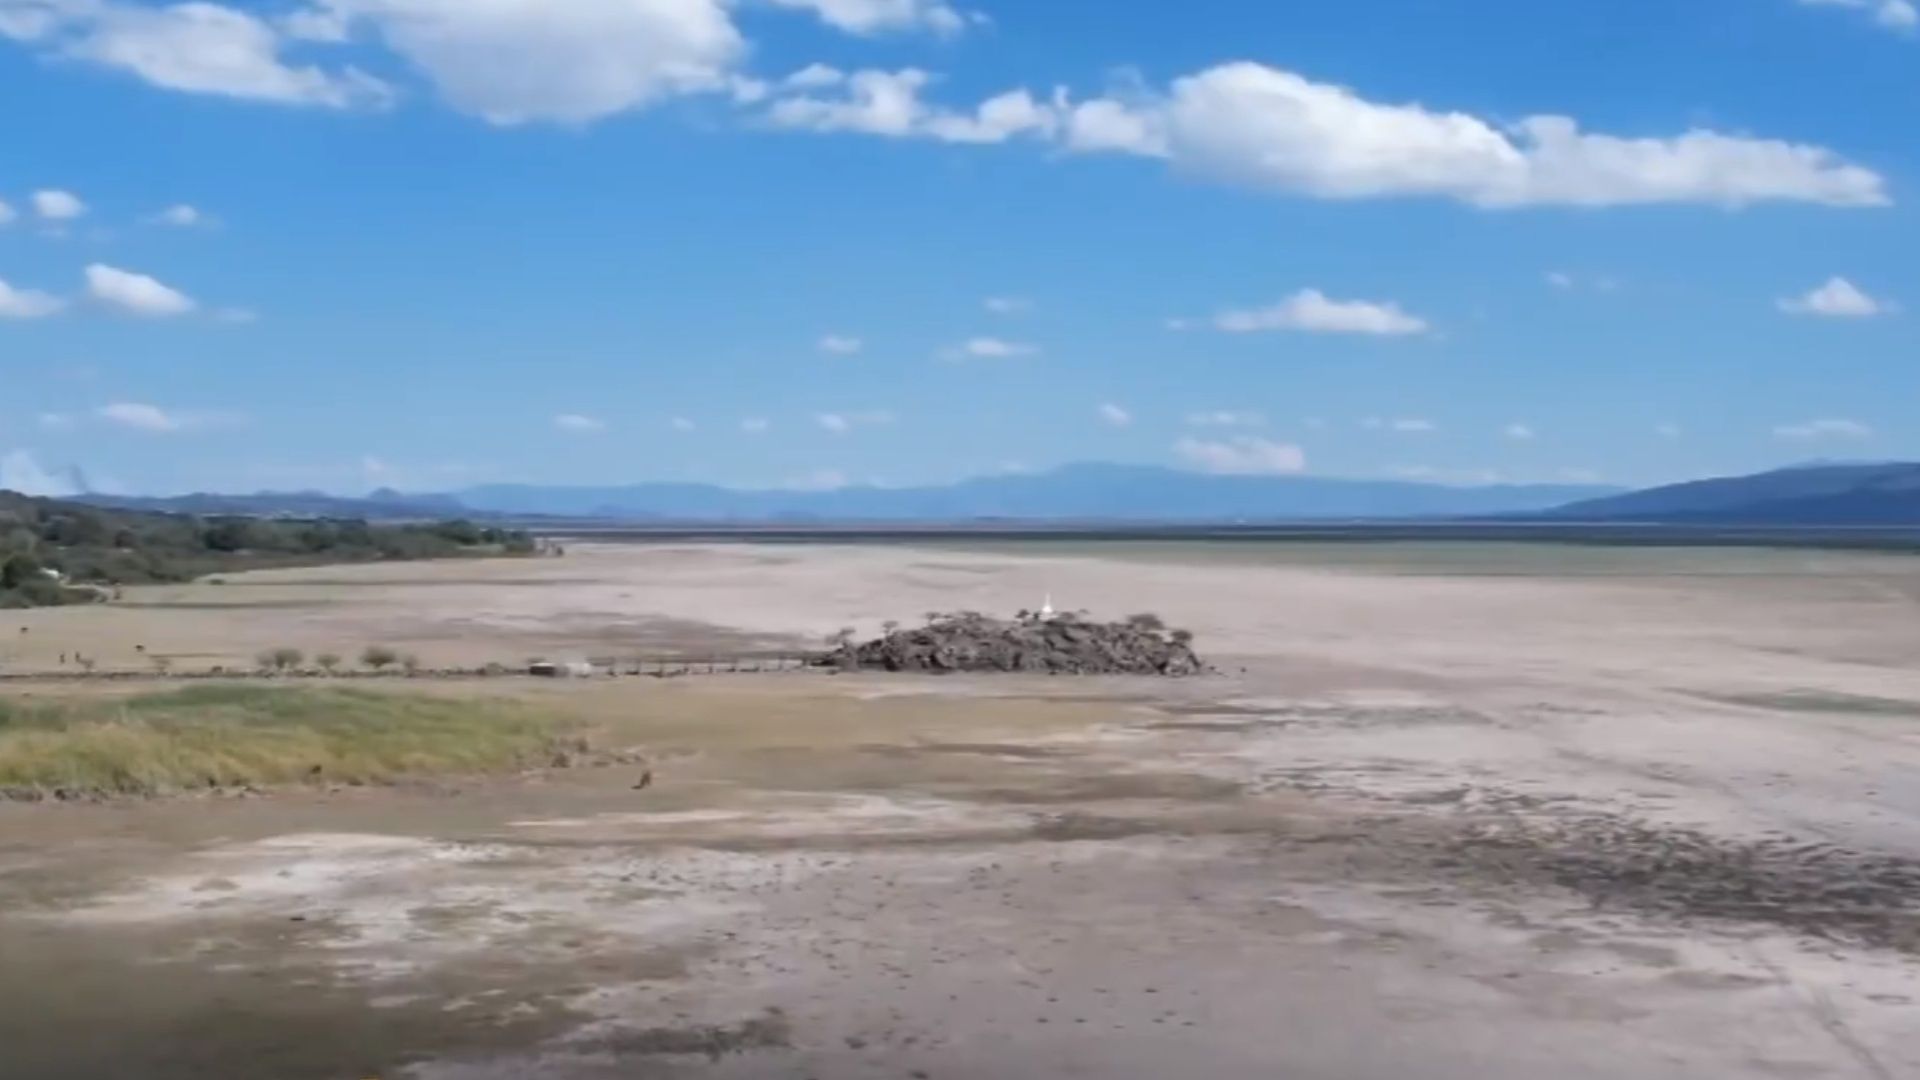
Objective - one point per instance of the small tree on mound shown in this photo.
(328, 661)
(1147, 621)
(379, 657)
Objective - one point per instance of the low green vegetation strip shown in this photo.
(230, 736)
(57, 552)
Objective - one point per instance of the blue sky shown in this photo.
(342, 244)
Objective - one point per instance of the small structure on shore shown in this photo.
(1040, 642)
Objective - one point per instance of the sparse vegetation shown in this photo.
(57, 552)
(328, 662)
(229, 736)
(281, 659)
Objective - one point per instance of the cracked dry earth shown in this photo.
(1127, 883)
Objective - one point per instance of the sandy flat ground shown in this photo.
(1477, 811)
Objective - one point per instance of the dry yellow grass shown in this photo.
(229, 735)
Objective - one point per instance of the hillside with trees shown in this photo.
(58, 552)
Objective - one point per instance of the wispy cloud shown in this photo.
(1114, 415)
(1242, 456)
(1225, 418)
(842, 423)
(1312, 311)
(1519, 432)
(1831, 429)
(140, 416)
(991, 348)
(1897, 15)
(1008, 305)
(840, 345)
(579, 424)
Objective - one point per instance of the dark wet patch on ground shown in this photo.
(1821, 701)
(1811, 888)
(770, 1031)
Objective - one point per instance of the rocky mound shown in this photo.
(1060, 645)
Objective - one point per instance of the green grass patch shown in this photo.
(229, 736)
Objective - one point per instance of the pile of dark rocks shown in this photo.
(1055, 645)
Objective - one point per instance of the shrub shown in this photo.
(378, 657)
(281, 659)
(328, 661)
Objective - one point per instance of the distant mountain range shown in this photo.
(1812, 495)
(1072, 493)
(1886, 494)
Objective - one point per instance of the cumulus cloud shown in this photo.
(868, 17)
(1225, 418)
(194, 47)
(1263, 127)
(1114, 415)
(841, 345)
(1242, 456)
(27, 303)
(53, 204)
(1312, 311)
(990, 348)
(136, 294)
(520, 61)
(578, 424)
(888, 103)
(1824, 430)
(20, 471)
(1837, 299)
(1900, 15)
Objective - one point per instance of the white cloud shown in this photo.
(1413, 427)
(8, 215)
(1226, 418)
(1263, 127)
(1831, 429)
(1837, 299)
(1312, 311)
(841, 345)
(1900, 15)
(21, 472)
(54, 421)
(56, 205)
(1519, 432)
(1428, 474)
(1242, 456)
(867, 17)
(818, 480)
(841, 423)
(27, 303)
(1560, 280)
(755, 425)
(181, 216)
(236, 316)
(134, 293)
(991, 348)
(887, 103)
(1114, 415)
(521, 61)
(1008, 305)
(194, 47)
(143, 417)
(582, 425)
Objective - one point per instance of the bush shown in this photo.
(281, 659)
(327, 661)
(378, 657)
